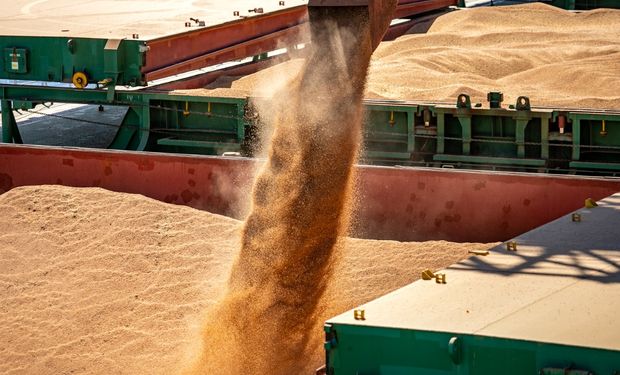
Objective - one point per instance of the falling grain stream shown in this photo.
(300, 207)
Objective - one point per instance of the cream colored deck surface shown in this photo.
(117, 19)
(561, 286)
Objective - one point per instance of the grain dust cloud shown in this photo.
(300, 207)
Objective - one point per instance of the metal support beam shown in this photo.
(410, 131)
(465, 122)
(520, 136)
(441, 133)
(7, 120)
(10, 131)
(544, 137)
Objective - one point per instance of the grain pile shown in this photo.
(555, 57)
(299, 207)
(95, 282)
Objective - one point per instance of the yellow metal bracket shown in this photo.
(440, 278)
(427, 275)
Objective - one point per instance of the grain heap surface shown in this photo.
(555, 57)
(96, 282)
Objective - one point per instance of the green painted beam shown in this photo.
(198, 144)
(387, 155)
(593, 165)
(489, 160)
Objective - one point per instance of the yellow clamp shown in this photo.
(590, 203)
(359, 314)
(440, 278)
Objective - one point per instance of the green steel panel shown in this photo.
(357, 350)
(388, 131)
(56, 59)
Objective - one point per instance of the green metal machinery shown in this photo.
(460, 135)
(544, 303)
(154, 121)
(108, 62)
(518, 136)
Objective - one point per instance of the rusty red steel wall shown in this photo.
(392, 203)
(174, 49)
(466, 206)
(241, 38)
(408, 8)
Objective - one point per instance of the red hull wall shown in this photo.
(393, 203)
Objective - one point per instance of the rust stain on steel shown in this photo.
(6, 183)
(145, 165)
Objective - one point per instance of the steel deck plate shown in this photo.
(117, 19)
(561, 286)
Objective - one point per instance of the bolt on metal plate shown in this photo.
(576, 218)
(359, 314)
(511, 245)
